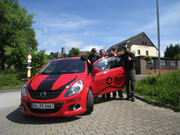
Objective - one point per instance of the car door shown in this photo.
(110, 76)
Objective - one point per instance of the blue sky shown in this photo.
(85, 24)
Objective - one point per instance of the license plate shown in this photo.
(42, 105)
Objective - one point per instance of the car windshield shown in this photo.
(64, 67)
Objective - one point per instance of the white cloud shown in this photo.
(50, 42)
(73, 43)
(70, 42)
(48, 52)
(88, 48)
(44, 43)
(62, 41)
(38, 33)
(45, 30)
(65, 22)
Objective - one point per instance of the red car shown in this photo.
(64, 87)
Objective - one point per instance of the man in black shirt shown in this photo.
(129, 65)
(91, 59)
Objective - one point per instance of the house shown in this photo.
(140, 45)
(166, 65)
(57, 54)
(84, 53)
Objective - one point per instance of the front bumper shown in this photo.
(70, 106)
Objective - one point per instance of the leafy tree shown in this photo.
(147, 58)
(172, 51)
(177, 56)
(17, 38)
(38, 61)
(74, 52)
(50, 57)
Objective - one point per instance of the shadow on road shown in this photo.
(17, 117)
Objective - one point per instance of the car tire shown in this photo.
(90, 103)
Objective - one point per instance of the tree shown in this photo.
(148, 58)
(74, 52)
(38, 61)
(177, 56)
(17, 37)
(172, 51)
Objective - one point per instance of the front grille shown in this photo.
(43, 111)
(49, 94)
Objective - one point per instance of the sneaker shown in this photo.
(133, 99)
(127, 98)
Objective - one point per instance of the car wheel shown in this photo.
(90, 103)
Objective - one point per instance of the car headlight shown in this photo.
(24, 91)
(75, 89)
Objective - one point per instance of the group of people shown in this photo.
(128, 59)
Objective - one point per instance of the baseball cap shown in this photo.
(93, 50)
(113, 48)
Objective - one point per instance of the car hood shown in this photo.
(52, 81)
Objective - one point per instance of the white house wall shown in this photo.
(152, 51)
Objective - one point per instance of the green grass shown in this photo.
(10, 80)
(165, 90)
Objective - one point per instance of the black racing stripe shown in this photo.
(67, 84)
(48, 82)
(29, 86)
(106, 88)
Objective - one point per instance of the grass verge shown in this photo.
(11, 80)
(164, 90)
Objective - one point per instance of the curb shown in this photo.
(156, 103)
(6, 91)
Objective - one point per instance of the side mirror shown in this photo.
(95, 71)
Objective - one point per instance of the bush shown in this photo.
(11, 79)
(164, 89)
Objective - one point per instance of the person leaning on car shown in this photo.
(91, 59)
(129, 65)
(103, 54)
(113, 53)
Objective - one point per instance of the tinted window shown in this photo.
(64, 66)
(114, 62)
(102, 65)
(108, 63)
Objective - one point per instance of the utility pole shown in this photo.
(158, 30)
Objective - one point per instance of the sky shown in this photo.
(85, 24)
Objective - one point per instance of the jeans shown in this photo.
(130, 79)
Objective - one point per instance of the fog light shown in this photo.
(77, 107)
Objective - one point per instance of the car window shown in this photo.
(102, 65)
(114, 62)
(64, 66)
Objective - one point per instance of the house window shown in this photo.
(173, 63)
(147, 53)
(145, 43)
(142, 42)
(138, 52)
(134, 51)
(163, 63)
